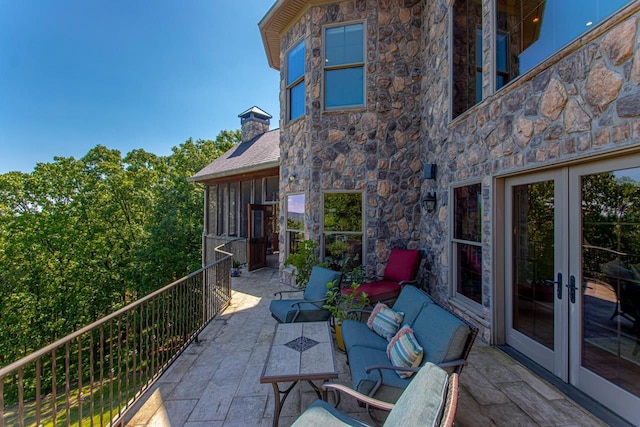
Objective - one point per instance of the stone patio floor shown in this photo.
(215, 382)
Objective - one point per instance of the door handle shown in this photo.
(559, 283)
(572, 289)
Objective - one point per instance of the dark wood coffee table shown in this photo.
(299, 352)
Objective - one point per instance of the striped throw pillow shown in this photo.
(384, 321)
(404, 350)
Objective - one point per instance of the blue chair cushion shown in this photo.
(358, 333)
(282, 311)
(322, 414)
(317, 286)
(444, 343)
(410, 302)
(362, 357)
(423, 401)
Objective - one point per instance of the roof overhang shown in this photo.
(234, 172)
(277, 20)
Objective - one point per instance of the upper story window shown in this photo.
(467, 241)
(530, 31)
(467, 55)
(295, 82)
(344, 66)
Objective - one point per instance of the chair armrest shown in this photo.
(453, 363)
(296, 305)
(340, 388)
(279, 293)
(308, 302)
(379, 368)
(408, 282)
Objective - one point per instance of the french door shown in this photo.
(257, 244)
(572, 277)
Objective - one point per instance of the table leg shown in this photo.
(323, 394)
(278, 402)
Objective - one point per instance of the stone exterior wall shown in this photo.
(581, 102)
(376, 149)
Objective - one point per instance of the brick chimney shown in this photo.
(254, 122)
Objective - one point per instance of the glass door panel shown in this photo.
(533, 261)
(608, 313)
(536, 261)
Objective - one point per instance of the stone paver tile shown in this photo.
(192, 389)
(468, 412)
(198, 372)
(214, 402)
(569, 414)
(250, 383)
(211, 358)
(178, 368)
(537, 407)
(246, 411)
(536, 383)
(484, 359)
(291, 406)
(153, 401)
(232, 368)
(172, 413)
(204, 424)
(283, 421)
(482, 389)
(506, 415)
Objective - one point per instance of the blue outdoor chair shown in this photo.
(309, 307)
(429, 400)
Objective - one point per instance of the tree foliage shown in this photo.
(80, 238)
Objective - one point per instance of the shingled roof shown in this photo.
(259, 153)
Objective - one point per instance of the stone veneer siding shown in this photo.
(375, 149)
(583, 101)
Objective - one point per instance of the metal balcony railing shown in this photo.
(237, 246)
(95, 375)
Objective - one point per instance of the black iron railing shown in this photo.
(95, 375)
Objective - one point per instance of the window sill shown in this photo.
(470, 309)
(342, 110)
(294, 121)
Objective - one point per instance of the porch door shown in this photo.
(257, 246)
(536, 269)
(605, 259)
(573, 277)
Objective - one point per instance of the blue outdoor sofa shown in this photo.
(445, 338)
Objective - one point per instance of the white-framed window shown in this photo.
(295, 82)
(343, 225)
(466, 242)
(295, 221)
(344, 66)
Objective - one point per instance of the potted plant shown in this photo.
(339, 304)
(235, 268)
(303, 259)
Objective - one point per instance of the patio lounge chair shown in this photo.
(430, 400)
(402, 268)
(309, 307)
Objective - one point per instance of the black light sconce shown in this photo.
(292, 177)
(429, 202)
(430, 171)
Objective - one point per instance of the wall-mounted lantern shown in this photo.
(429, 202)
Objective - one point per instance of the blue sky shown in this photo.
(126, 74)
